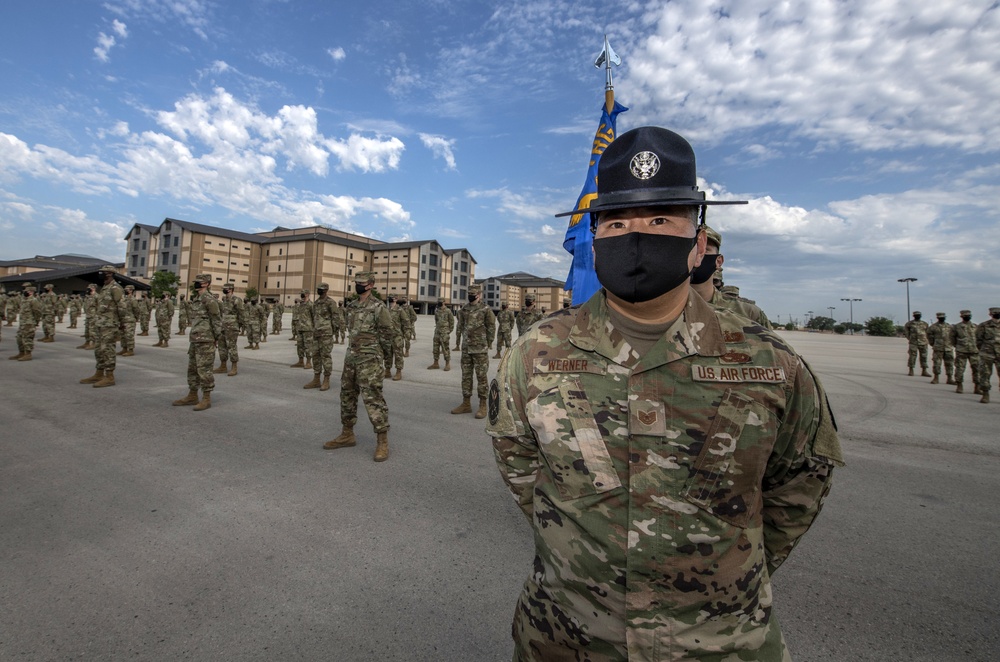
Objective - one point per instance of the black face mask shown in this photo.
(638, 266)
(995, 316)
(916, 318)
(966, 318)
(360, 288)
(472, 298)
(705, 270)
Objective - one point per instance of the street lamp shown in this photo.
(831, 309)
(851, 302)
(907, 281)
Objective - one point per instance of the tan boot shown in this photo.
(497, 355)
(345, 440)
(221, 369)
(94, 378)
(109, 379)
(83, 346)
(406, 355)
(25, 357)
(309, 364)
(90, 345)
(975, 390)
(47, 339)
(481, 412)
(434, 366)
(15, 357)
(206, 401)
(190, 399)
(447, 366)
(159, 343)
(924, 373)
(382, 447)
(388, 373)
(314, 383)
(232, 370)
(986, 398)
(130, 352)
(464, 408)
(935, 380)
(325, 386)
(300, 364)
(951, 381)
(960, 388)
(120, 352)
(910, 373)
(165, 344)
(398, 375)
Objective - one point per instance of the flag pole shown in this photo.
(607, 58)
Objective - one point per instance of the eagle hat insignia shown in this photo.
(644, 165)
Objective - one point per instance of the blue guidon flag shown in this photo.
(582, 278)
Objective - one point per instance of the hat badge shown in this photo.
(644, 165)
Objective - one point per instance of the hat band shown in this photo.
(655, 195)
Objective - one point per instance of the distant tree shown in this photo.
(164, 281)
(839, 329)
(854, 326)
(790, 326)
(252, 293)
(880, 326)
(821, 323)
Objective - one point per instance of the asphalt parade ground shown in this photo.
(133, 529)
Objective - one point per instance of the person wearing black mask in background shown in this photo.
(988, 340)
(964, 339)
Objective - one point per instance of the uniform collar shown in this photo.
(696, 332)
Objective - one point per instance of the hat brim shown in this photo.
(671, 202)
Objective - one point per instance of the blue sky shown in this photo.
(864, 133)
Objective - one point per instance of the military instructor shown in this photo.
(668, 454)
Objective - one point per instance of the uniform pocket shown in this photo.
(571, 442)
(726, 476)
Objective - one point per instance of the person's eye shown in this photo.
(659, 220)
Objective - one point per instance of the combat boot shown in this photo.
(924, 373)
(314, 383)
(398, 375)
(345, 440)
(249, 346)
(464, 408)
(300, 364)
(190, 399)
(159, 343)
(325, 386)
(120, 352)
(406, 354)
(25, 357)
(109, 379)
(165, 344)
(144, 333)
(481, 412)
(90, 345)
(83, 346)
(206, 401)
(94, 378)
(233, 371)
(309, 364)
(985, 399)
(975, 390)
(910, 373)
(960, 388)
(221, 369)
(447, 365)
(388, 373)
(47, 339)
(497, 355)
(15, 357)
(951, 381)
(130, 352)
(382, 447)
(434, 366)
(935, 380)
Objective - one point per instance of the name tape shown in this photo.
(745, 373)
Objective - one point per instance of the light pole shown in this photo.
(851, 302)
(907, 281)
(831, 309)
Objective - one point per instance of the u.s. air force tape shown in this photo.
(739, 373)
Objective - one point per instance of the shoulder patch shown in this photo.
(493, 402)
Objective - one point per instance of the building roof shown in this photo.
(214, 230)
(87, 272)
(524, 279)
(54, 262)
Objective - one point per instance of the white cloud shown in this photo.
(367, 154)
(337, 53)
(442, 148)
(193, 14)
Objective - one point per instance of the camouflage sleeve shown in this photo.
(214, 314)
(451, 323)
(241, 313)
(514, 445)
(459, 326)
(120, 305)
(800, 468)
(386, 330)
(491, 327)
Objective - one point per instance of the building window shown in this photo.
(268, 251)
(421, 290)
(278, 285)
(166, 241)
(221, 261)
(280, 251)
(135, 244)
(351, 255)
(164, 258)
(176, 240)
(143, 244)
(423, 259)
(166, 226)
(465, 266)
(142, 261)
(463, 281)
(433, 274)
(174, 260)
(423, 275)
(135, 261)
(432, 290)
(434, 260)
(279, 267)
(231, 263)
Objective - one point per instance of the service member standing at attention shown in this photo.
(701, 282)
(110, 314)
(444, 322)
(395, 355)
(406, 321)
(90, 316)
(30, 314)
(939, 336)
(916, 336)
(183, 314)
(369, 330)
(964, 339)
(668, 455)
(131, 315)
(164, 317)
(988, 340)
(306, 342)
(324, 310)
(528, 315)
(478, 330)
(233, 312)
(505, 325)
(206, 329)
(50, 303)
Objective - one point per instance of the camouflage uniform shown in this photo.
(255, 314)
(61, 306)
(75, 308)
(340, 330)
(30, 313)
(265, 312)
(324, 311)
(444, 322)
(664, 489)
(13, 305)
(49, 302)
(526, 318)
(741, 307)
(296, 308)
(964, 340)
(394, 356)
(110, 314)
(988, 340)
(206, 329)
(939, 337)
(369, 329)
(143, 310)
(306, 344)
(478, 331)
(279, 310)
(505, 325)
(916, 335)
(89, 320)
(133, 309)
(183, 315)
(407, 318)
(232, 311)
(164, 316)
